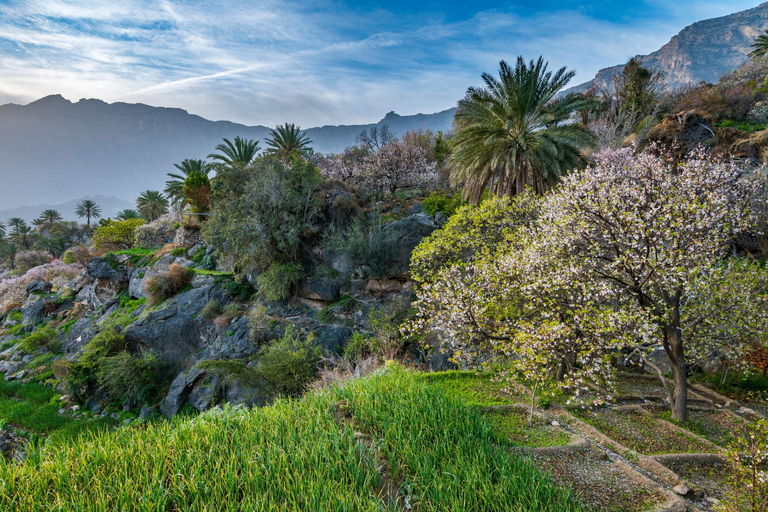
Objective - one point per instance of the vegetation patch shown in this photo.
(473, 388)
(510, 427)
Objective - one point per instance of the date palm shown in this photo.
(241, 152)
(2, 229)
(24, 236)
(127, 214)
(50, 217)
(8, 253)
(15, 222)
(50, 244)
(151, 204)
(88, 209)
(759, 46)
(288, 139)
(174, 188)
(514, 133)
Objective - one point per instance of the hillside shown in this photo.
(110, 206)
(703, 51)
(55, 150)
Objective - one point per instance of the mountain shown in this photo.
(109, 208)
(704, 51)
(53, 150)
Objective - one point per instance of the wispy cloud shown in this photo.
(317, 62)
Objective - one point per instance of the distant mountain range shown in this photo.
(53, 150)
(704, 51)
(110, 206)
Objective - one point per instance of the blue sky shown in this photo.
(313, 62)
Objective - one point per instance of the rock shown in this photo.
(136, 284)
(240, 392)
(333, 338)
(712, 501)
(79, 335)
(27, 358)
(12, 447)
(339, 261)
(206, 392)
(75, 408)
(319, 289)
(555, 423)
(146, 412)
(98, 268)
(39, 287)
(681, 489)
(179, 391)
(9, 367)
(115, 416)
(36, 308)
(382, 286)
(407, 234)
(440, 218)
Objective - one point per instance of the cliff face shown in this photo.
(704, 51)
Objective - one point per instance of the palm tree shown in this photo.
(24, 236)
(242, 152)
(50, 217)
(151, 204)
(514, 133)
(197, 187)
(760, 46)
(87, 208)
(127, 214)
(2, 229)
(288, 139)
(50, 244)
(174, 189)
(8, 252)
(15, 222)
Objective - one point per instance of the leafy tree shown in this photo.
(197, 188)
(116, 235)
(241, 152)
(50, 244)
(174, 188)
(515, 133)
(8, 252)
(151, 204)
(87, 208)
(759, 46)
(127, 214)
(50, 217)
(260, 215)
(288, 139)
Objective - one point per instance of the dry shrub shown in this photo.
(27, 260)
(158, 232)
(165, 250)
(167, 284)
(211, 310)
(11, 306)
(230, 312)
(78, 254)
(222, 322)
(14, 289)
(336, 371)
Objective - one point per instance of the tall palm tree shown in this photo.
(513, 132)
(24, 236)
(87, 208)
(174, 189)
(760, 46)
(151, 204)
(288, 139)
(241, 152)
(2, 229)
(127, 214)
(8, 252)
(50, 217)
(50, 244)
(15, 222)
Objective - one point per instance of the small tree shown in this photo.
(197, 188)
(88, 209)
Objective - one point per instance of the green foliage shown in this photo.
(123, 317)
(151, 204)
(237, 288)
(68, 257)
(137, 254)
(360, 346)
(261, 214)
(66, 327)
(290, 362)
(178, 251)
(443, 454)
(116, 234)
(132, 377)
(42, 338)
(82, 374)
(197, 189)
(288, 140)
(365, 242)
(278, 280)
(439, 201)
(743, 126)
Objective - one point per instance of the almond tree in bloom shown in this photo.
(631, 253)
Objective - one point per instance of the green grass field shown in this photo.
(293, 455)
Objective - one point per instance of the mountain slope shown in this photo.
(110, 206)
(53, 150)
(704, 51)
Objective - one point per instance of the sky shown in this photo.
(314, 62)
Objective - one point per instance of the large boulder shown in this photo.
(136, 284)
(319, 289)
(407, 234)
(79, 335)
(333, 338)
(100, 268)
(39, 287)
(179, 391)
(206, 392)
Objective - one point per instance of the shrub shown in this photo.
(14, 289)
(261, 323)
(211, 310)
(236, 288)
(276, 283)
(82, 374)
(156, 233)
(116, 235)
(440, 202)
(131, 377)
(290, 362)
(167, 284)
(27, 260)
(77, 254)
(361, 345)
(43, 338)
(370, 243)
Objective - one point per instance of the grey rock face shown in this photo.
(408, 233)
(206, 393)
(319, 289)
(39, 286)
(179, 391)
(36, 307)
(332, 338)
(136, 284)
(100, 269)
(79, 335)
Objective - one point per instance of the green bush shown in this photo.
(366, 242)
(116, 234)
(43, 338)
(131, 377)
(290, 362)
(82, 374)
(237, 288)
(278, 281)
(68, 257)
(360, 346)
(439, 201)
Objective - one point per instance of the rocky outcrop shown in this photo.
(408, 233)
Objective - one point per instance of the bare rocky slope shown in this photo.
(704, 51)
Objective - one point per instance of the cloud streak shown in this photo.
(314, 63)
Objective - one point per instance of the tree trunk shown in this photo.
(674, 347)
